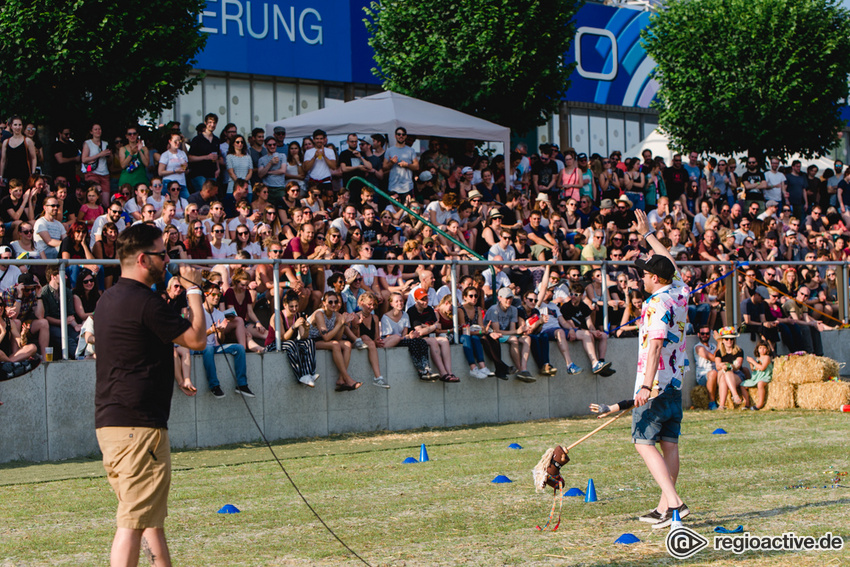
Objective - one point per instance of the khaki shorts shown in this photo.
(138, 465)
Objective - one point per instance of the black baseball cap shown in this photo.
(27, 279)
(659, 265)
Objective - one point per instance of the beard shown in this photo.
(157, 274)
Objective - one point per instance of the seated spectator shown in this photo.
(75, 246)
(426, 283)
(52, 313)
(473, 338)
(26, 309)
(294, 340)
(630, 321)
(197, 245)
(216, 325)
(8, 273)
(49, 230)
(706, 370)
(86, 295)
(579, 319)
(762, 374)
(367, 328)
(502, 320)
(241, 297)
(11, 348)
(395, 331)
(531, 326)
(728, 361)
(810, 329)
(327, 329)
(423, 321)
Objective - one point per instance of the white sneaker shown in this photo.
(315, 377)
(476, 373)
(307, 380)
(380, 382)
(359, 344)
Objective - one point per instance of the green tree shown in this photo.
(501, 60)
(760, 76)
(70, 62)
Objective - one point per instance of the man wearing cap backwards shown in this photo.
(662, 359)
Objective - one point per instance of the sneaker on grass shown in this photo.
(667, 517)
(245, 391)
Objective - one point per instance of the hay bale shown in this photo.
(780, 395)
(823, 396)
(804, 369)
(699, 397)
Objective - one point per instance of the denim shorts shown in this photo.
(660, 419)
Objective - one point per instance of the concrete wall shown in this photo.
(49, 413)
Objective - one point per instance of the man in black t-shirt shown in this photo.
(580, 327)
(66, 157)
(754, 181)
(676, 179)
(136, 331)
(353, 164)
(544, 172)
(203, 154)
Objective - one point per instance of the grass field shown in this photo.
(446, 511)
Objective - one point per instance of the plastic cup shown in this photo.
(48, 354)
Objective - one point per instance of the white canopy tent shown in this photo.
(384, 112)
(657, 143)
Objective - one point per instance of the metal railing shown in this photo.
(732, 268)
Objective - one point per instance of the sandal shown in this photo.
(450, 378)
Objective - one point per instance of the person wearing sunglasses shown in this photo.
(49, 231)
(327, 329)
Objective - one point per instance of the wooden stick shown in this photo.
(598, 429)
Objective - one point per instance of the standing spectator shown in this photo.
(255, 146)
(272, 171)
(238, 163)
(49, 232)
(18, 159)
(676, 180)
(320, 161)
(173, 164)
(203, 154)
(796, 185)
(66, 156)
(95, 159)
(134, 159)
(400, 160)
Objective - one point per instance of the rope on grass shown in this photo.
(280, 464)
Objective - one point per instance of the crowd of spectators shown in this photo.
(224, 196)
